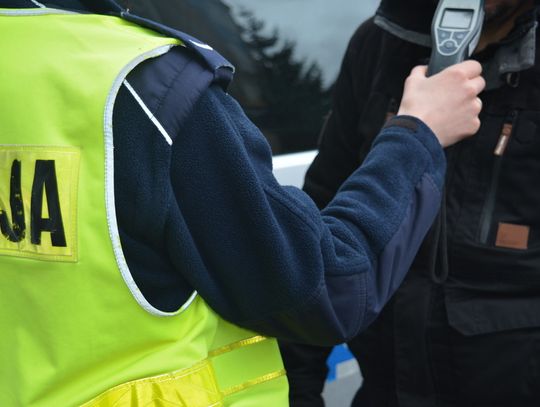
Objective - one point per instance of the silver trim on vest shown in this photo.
(109, 189)
(33, 12)
(152, 118)
(37, 3)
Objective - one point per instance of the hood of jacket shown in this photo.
(399, 13)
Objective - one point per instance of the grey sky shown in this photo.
(321, 28)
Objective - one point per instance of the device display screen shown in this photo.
(457, 19)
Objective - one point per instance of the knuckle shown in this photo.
(461, 74)
(459, 71)
(477, 66)
(479, 105)
(476, 125)
(473, 66)
(483, 82)
(458, 78)
(470, 90)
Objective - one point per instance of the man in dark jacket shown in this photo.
(469, 337)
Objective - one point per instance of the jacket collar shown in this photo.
(515, 53)
(403, 27)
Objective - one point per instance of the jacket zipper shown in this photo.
(489, 205)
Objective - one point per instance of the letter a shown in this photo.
(45, 179)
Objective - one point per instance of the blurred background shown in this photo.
(287, 54)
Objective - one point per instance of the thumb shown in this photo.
(419, 71)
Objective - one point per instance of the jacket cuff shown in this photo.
(412, 126)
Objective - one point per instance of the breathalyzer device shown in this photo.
(455, 31)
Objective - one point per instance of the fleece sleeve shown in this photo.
(264, 257)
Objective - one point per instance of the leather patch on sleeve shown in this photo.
(405, 122)
(389, 116)
(513, 236)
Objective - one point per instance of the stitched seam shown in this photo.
(403, 212)
(280, 200)
(431, 181)
(361, 315)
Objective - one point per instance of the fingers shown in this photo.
(474, 122)
(447, 102)
(478, 84)
(471, 69)
(471, 72)
(479, 104)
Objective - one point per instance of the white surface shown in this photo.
(290, 169)
(347, 368)
(341, 392)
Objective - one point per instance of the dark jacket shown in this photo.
(206, 213)
(473, 339)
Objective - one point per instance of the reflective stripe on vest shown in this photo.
(182, 388)
(76, 328)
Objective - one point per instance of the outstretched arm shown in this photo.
(264, 257)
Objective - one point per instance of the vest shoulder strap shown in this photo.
(223, 70)
(170, 86)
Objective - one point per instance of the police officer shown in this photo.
(467, 335)
(142, 226)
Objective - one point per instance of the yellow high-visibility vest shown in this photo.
(75, 329)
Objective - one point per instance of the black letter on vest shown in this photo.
(45, 178)
(16, 232)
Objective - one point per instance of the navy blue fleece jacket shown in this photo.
(211, 216)
(206, 213)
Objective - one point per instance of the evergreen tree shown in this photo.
(296, 99)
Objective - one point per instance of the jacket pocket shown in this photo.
(492, 349)
(493, 289)
(493, 342)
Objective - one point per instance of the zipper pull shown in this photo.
(506, 134)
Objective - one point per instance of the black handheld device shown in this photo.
(455, 31)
